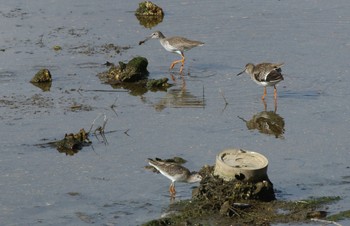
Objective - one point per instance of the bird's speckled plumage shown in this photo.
(265, 74)
(175, 172)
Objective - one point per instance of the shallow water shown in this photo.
(106, 183)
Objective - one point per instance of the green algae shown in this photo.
(339, 216)
(227, 203)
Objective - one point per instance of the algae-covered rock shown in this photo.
(44, 86)
(134, 70)
(149, 14)
(42, 79)
(157, 83)
(239, 203)
(218, 191)
(42, 75)
(148, 8)
(149, 21)
(57, 48)
(72, 143)
(133, 76)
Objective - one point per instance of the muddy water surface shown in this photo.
(106, 183)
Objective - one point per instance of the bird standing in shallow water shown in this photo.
(175, 172)
(265, 74)
(174, 44)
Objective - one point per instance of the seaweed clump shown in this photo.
(217, 202)
(42, 79)
(133, 76)
(133, 71)
(148, 8)
(72, 143)
(43, 75)
(149, 14)
(224, 196)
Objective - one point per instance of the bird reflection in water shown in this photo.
(267, 122)
(180, 98)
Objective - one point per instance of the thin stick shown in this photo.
(104, 123)
(93, 122)
(203, 97)
(222, 94)
(226, 103)
(78, 90)
(242, 119)
(101, 129)
(126, 132)
(114, 106)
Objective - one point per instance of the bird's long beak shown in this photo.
(141, 42)
(240, 72)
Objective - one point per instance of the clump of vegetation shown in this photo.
(149, 14)
(225, 203)
(133, 71)
(42, 79)
(72, 143)
(148, 8)
(43, 75)
(133, 76)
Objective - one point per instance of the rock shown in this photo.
(148, 8)
(42, 75)
(57, 48)
(135, 70)
(157, 83)
(149, 14)
(44, 86)
(217, 190)
(72, 143)
(133, 76)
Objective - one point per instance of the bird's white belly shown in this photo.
(265, 83)
(170, 48)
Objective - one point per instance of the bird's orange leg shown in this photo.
(173, 77)
(172, 190)
(182, 63)
(174, 63)
(275, 96)
(275, 104)
(275, 92)
(265, 105)
(264, 95)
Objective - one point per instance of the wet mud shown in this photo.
(205, 110)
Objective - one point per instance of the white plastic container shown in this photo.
(242, 165)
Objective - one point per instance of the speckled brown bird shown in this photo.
(175, 172)
(265, 74)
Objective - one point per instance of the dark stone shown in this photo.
(42, 75)
(135, 70)
(149, 14)
(148, 8)
(72, 143)
(133, 76)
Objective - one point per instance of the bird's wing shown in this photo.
(274, 75)
(182, 43)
